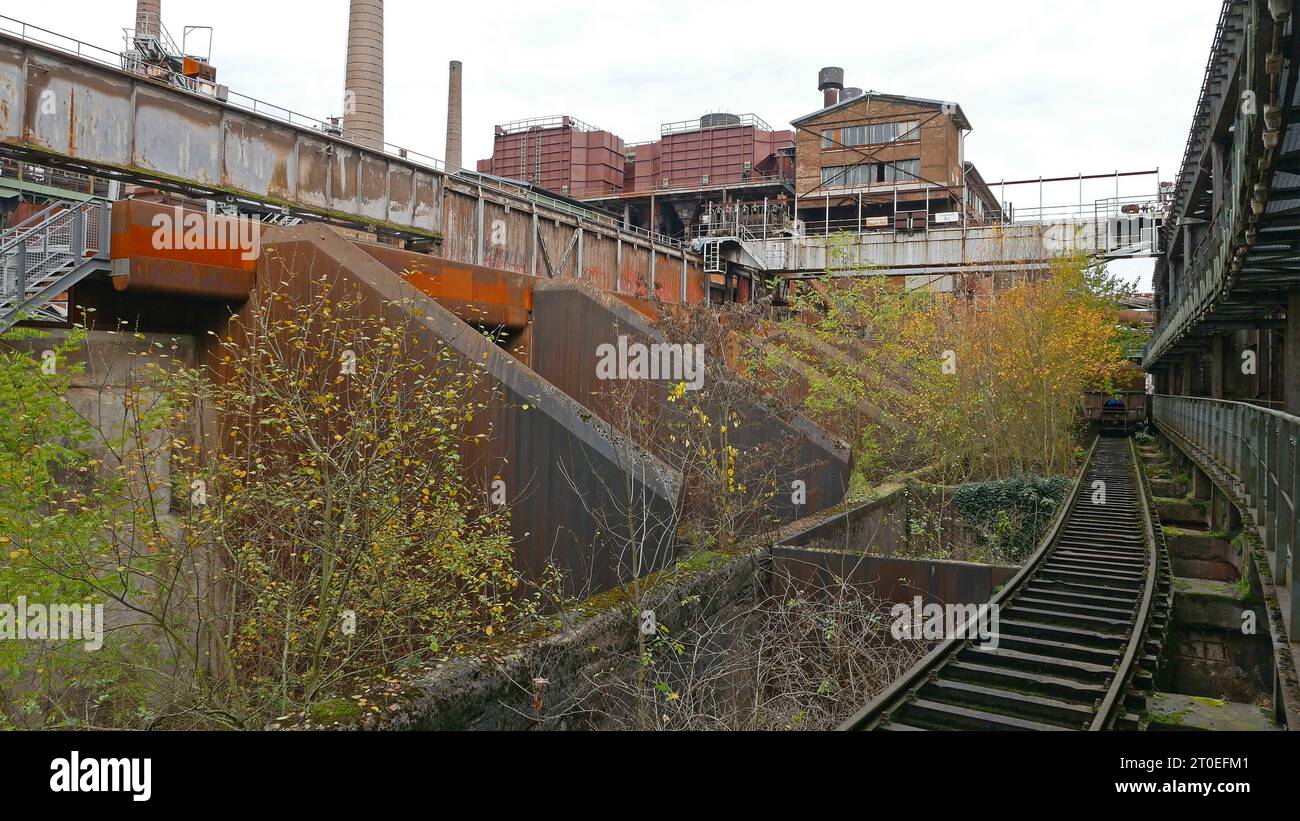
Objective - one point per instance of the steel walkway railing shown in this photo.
(47, 254)
(1258, 450)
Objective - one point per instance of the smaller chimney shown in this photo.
(829, 82)
(453, 117)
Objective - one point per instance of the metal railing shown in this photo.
(87, 51)
(1223, 50)
(716, 121)
(70, 45)
(1259, 449)
(587, 214)
(552, 121)
(24, 172)
(736, 179)
(42, 260)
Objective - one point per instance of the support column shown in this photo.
(1291, 360)
(1202, 487)
(1189, 375)
(1217, 175)
(1216, 367)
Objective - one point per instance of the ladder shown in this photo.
(48, 253)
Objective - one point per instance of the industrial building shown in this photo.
(561, 154)
(697, 173)
(863, 161)
(872, 160)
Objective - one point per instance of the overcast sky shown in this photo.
(1051, 88)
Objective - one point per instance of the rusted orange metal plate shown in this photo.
(154, 230)
(478, 295)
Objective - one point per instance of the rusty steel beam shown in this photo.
(149, 252)
(65, 108)
(478, 295)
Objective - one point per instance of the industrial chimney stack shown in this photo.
(453, 117)
(829, 82)
(148, 18)
(363, 100)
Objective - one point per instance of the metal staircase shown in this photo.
(47, 254)
(754, 253)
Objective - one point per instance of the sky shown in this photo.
(1051, 88)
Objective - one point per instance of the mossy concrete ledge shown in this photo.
(596, 641)
(1174, 711)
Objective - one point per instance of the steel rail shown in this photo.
(1120, 682)
(1078, 615)
(947, 648)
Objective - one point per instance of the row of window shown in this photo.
(849, 176)
(872, 134)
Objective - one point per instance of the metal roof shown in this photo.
(958, 116)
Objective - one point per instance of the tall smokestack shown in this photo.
(363, 86)
(453, 117)
(148, 18)
(829, 82)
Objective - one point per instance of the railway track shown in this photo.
(1080, 624)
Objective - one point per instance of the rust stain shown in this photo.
(72, 123)
(280, 177)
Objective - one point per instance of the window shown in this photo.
(877, 133)
(903, 170)
(833, 176)
(828, 138)
(851, 176)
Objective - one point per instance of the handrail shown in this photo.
(1202, 104)
(15, 233)
(1258, 449)
(1287, 417)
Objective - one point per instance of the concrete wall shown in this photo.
(877, 526)
(893, 580)
(859, 546)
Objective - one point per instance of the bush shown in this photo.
(328, 536)
(1007, 517)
